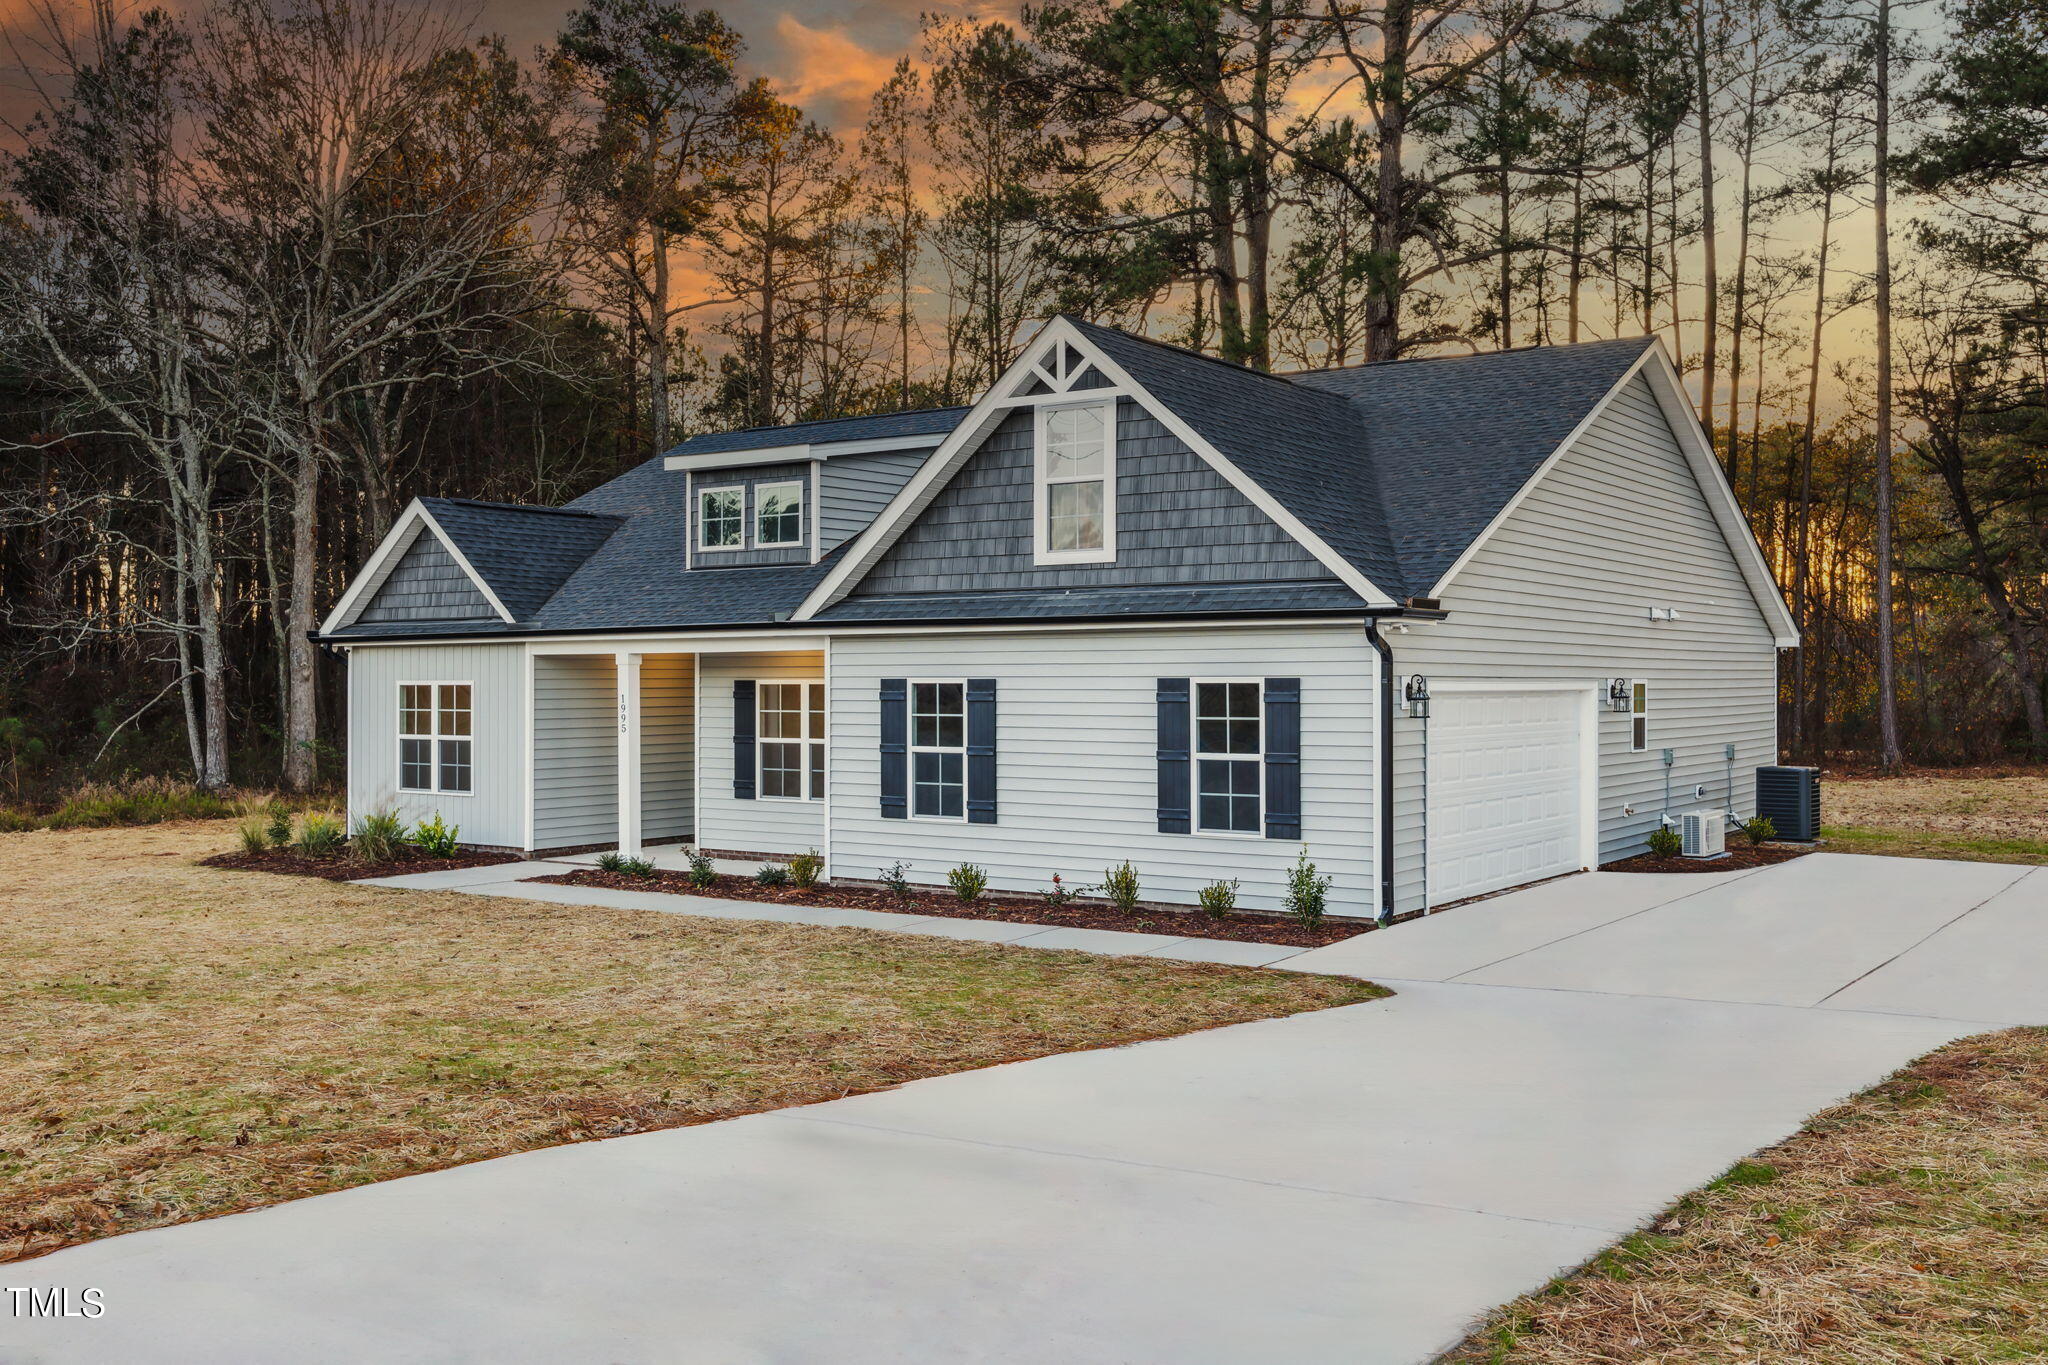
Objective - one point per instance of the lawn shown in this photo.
(179, 1041)
(1906, 1225)
(1982, 815)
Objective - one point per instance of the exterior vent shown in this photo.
(1705, 832)
(1790, 798)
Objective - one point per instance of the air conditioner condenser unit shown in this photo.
(1705, 833)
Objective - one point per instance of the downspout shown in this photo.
(1386, 812)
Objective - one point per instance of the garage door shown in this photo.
(1503, 790)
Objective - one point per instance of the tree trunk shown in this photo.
(1390, 209)
(302, 698)
(1889, 753)
(1710, 305)
(657, 340)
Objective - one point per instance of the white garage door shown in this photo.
(1503, 790)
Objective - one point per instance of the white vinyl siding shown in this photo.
(1077, 759)
(668, 694)
(494, 813)
(575, 750)
(727, 821)
(1563, 591)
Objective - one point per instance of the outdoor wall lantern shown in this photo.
(1618, 694)
(1417, 693)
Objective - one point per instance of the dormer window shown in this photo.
(721, 518)
(778, 515)
(1076, 483)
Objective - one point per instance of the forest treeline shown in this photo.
(270, 268)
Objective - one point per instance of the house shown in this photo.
(1134, 603)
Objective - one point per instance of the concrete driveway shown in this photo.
(1354, 1185)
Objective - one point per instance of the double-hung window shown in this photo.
(721, 518)
(778, 515)
(1076, 492)
(791, 743)
(1229, 756)
(938, 750)
(1639, 717)
(434, 743)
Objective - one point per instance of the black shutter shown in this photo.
(895, 748)
(743, 739)
(1175, 789)
(981, 751)
(1283, 758)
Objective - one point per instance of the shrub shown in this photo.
(702, 873)
(1307, 893)
(379, 837)
(968, 882)
(146, 802)
(805, 869)
(1217, 899)
(1059, 893)
(611, 862)
(771, 874)
(1120, 884)
(320, 835)
(255, 835)
(16, 821)
(1666, 842)
(896, 878)
(1758, 828)
(436, 838)
(280, 826)
(636, 867)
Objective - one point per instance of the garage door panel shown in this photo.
(1503, 790)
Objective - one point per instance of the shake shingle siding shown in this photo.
(1178, 522)
(428, 585)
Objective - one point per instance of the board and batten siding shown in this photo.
(1077, 766)
(493, 814)
(760, 825)
(668, 693)
(426, 584)
(856, 488)
(1563, 591)
(575, 750)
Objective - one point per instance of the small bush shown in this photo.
(1217, 899)
(1307, 893)
(968, 882)
(702, 873)
(320, 835)
(771, 874)
(146, 802)
(379, 837)
(1059, 893)
(611, 862)
(1666, 842)
(896, 878)
(805, 869)
(279, 816)
(1120, 885)
(17, 821)
(636, 867)
(255, 835)
(436, 838)
(1759, 828)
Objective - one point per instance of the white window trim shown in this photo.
(1196, 754)
(912, 748)
(433, 738)
(759, 489)
(1040, 554)
(703, 521)
(1633, 684)
(761, 741)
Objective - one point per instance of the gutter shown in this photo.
(1386, 815)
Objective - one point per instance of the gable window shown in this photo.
(434, 753)
(938, 750)
(721, 518)
(1639, 717)
(791, 730)
(1076, 484)
(778, 515)
(1229, 756)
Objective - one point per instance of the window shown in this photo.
(1077, 483)
(1229, 756)
(778, 515)
(790, 734)
(434, 744)
(1639, 717)
(721, 518)
(938, 750)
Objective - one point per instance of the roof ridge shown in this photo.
(527, 507)
(1469, 355)
(1192, 354)
(829, 421)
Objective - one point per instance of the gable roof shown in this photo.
(524, 554)
(1453, 439)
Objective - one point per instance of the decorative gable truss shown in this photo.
(1060, 366)
(414, 522)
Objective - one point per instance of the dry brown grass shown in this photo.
(1985, 815)
(179, 1041)
(1908, 1225)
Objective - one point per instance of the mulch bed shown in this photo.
(1739, 857)
(1242, 928)
(342, 868)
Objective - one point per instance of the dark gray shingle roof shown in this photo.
(1096, 603)
(524, 553)
(924, 422)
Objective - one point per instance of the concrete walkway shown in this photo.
(1353, 1185)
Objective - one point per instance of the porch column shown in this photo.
(629, 752)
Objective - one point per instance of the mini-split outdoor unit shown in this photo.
(1705, 833)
